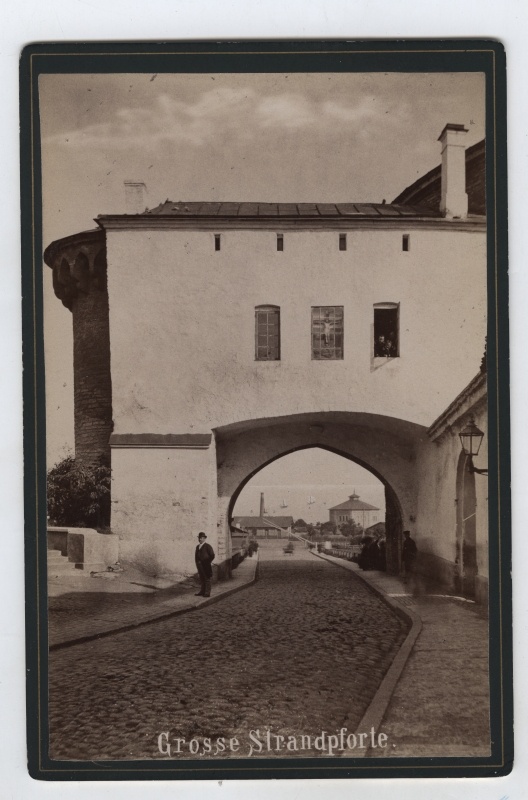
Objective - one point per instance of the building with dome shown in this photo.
(355, 510)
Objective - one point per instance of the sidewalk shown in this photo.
(436, 702)
(81, 608)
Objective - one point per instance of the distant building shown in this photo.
(354, 510)
(378, 529)
(266, 527)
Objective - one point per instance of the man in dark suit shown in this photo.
(409, 553)
(204, 556)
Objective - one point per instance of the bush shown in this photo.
(79, 496)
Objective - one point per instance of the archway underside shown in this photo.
(384, 446)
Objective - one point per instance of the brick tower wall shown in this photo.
(92, 382)
(79, 280)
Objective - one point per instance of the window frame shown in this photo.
(339, 350)
(386, 306)
(267, 308)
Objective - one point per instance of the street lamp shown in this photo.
(471, 439)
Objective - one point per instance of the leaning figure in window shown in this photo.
(380, 346)
(385, 346)
(327, 330)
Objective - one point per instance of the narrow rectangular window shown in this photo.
(267, 333)
(217, 241)
(386, 330)
(342, 241)
(327, 332)
(280, 242)
(406, 242)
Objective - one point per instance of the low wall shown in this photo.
(86, 548)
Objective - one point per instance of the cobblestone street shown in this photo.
(300, 652)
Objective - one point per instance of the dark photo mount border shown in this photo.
(450, 55)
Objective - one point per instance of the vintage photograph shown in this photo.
(265, 337)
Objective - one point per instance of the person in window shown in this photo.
(380, 346)
(385, 346)
(391, 344)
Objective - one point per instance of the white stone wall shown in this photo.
(365, 518)
(182, 324)
(182, 342)
(161, 499)
(438, 518)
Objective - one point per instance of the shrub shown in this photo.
(78, 495)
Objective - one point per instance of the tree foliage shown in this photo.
(78, 495)
(328, 527)
(299, 523)
(350, 528)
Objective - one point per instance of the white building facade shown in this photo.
(240, 332)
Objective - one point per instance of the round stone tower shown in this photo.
(79, 280)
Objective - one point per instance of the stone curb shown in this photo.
(373, 716)
(196, 604)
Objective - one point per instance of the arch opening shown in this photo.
(330, 493)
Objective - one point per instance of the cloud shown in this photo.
(238, 113)
(288, 111)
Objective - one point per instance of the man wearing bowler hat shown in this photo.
(204, 556)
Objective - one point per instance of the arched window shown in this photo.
(386, 330)
(267, 333)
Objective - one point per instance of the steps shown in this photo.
(59, 565)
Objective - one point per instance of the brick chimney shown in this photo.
(262, 510)
(135, 197)
(453, 196)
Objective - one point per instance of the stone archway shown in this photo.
(393, 514)
(386, 447)
(466, 541)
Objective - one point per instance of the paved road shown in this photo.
(300, 652)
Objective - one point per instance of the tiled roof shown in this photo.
(354, 505)
(291, 210)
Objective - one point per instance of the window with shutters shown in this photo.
(327, 332)
(267, 333)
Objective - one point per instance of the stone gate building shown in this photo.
(213, 338)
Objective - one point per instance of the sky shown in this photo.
(285, 137)
(314, 473)
(233, 137)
